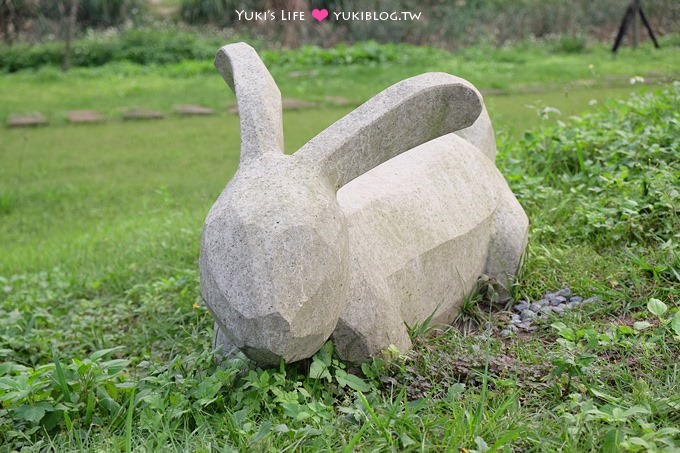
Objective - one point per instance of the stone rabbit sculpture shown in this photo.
(385, 218)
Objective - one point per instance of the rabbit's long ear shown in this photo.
(399, 118)
(258, 99)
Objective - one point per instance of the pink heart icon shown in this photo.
(319, 14)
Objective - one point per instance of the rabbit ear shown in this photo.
(399, 118)
(258, 99)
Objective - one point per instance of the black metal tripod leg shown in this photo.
(622, 29)
(648, 27)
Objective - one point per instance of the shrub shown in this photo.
(142, 46)
(612, 176)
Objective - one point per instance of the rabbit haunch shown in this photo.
(385, 218)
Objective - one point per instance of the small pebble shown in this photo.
(527, 314)
(559, 309)
(554, 301)
(521, 306)
(564, 292)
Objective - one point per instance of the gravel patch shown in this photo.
(525, 314)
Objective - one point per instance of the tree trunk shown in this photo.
(7, 19)
(69, 24)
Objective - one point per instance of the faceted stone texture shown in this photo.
(384, 219)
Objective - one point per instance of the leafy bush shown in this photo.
(162, 47)
(151, 46)
(612, 176)
(367, 52)
(142, 46)
(570, 44)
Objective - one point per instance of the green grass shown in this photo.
(104, 340)
(119, 85)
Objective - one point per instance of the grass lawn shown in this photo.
(104, 340)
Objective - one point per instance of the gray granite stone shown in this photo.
(559, 309)
(142, 114)
(193, 110)
(520, 306)
(527, 315)
(85, 116)
(384, 219)
(27, 120)
(564, 292)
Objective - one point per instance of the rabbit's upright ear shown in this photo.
(258, 99)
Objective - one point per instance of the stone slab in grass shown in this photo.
(193, 110)
(295, 104)
(142, 114)
(27, 120)
(287, 104)
(85, 116)
(338, 101)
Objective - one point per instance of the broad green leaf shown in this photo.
(264, 431)
(325, 354)
(303, 415)
(612, 440)
(349, 380)
(641, 325)
(648, 446)
(675, 323)
(319, 370)
(455, 390)
(656, 307)
(30, 413)
(280, 428)
(635, 410)
(115, 366)
(625, 330)
(102, 352)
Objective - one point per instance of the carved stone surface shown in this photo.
(384, 218)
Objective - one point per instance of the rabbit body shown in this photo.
(384, 219)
